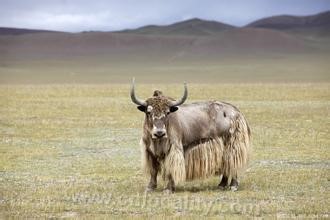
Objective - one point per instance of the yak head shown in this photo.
(157, 108)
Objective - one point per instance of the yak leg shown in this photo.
(154, 168)
(234, 184)
(223, 183)
(152, 185)
(170, 186)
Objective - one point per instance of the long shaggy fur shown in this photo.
(227, 155)
(237, 148)
(204, 159)
(174, 165)
(146, 160)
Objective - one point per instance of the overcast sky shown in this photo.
(107, 15)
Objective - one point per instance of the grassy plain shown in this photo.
(72, 151)
(262, 68)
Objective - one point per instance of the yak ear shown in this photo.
(142, 108)
(173, 108)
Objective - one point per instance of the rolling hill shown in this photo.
(237, 42)
(284, 22)
(313, 27)
(189, 27)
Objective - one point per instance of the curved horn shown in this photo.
(133, 97)
(183, 99)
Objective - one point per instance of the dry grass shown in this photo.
(72, 151)
(252, 68)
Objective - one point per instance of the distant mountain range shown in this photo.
(199, 27)
(193, 39)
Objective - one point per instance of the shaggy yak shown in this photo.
(190, 141)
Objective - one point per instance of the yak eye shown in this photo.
(142, 108)
(173, 109)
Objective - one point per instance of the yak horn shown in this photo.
(183, 99)
(134, 98)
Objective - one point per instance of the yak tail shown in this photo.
(227, 155)
(237, 153)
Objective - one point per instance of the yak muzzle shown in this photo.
(159, 133)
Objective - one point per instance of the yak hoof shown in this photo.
(222, 185)
(233, 188)
(168, 191)
(223, 188)
(149, 189)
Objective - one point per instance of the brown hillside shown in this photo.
(194, 26)
(284, 22)
(132, 46)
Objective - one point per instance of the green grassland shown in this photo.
(72, 151)
(274, 68)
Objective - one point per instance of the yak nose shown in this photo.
(160, 134)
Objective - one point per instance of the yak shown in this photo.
(192, 141)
